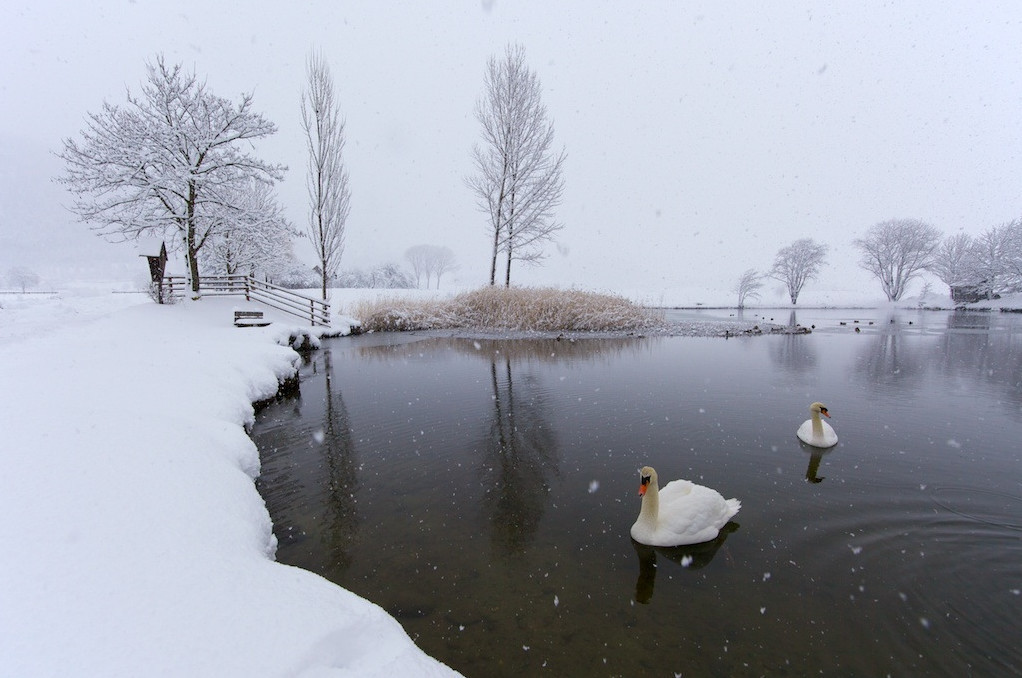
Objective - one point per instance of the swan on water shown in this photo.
(815, 431)
(679, 513)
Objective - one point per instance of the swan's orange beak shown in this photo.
(643, 484)
(824, 412)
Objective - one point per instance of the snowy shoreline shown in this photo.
(135, 541)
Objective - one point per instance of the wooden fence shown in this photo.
(315, 311)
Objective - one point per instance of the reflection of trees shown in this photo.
(986, 347)
(793, 353)
(521, 450)
(277, 481)
(287, 487)
(692, 557)
(341, 481)
(889, 358)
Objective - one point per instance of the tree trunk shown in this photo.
(493, 259)
(193, 260)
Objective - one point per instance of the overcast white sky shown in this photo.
(701, 137)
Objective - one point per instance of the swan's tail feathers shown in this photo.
(734, 505)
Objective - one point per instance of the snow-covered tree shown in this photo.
(953, 262)
(254, 237)
(748, 286)
(167, 161)
(1013, 255)
(22, 277)
(518, 181)
(329, 193)
(896, 251)
(997, 258)
(384, 276)
(798, 263)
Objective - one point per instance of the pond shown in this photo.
(482, 491)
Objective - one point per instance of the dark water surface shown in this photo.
(482, 491)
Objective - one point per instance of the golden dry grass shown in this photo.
(519, 309)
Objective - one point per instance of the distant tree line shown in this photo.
(898, 251)
(384, 276)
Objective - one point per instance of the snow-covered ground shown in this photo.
(134, 540)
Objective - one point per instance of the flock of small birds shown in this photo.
(856, 323)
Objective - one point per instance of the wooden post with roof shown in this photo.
(155, 250)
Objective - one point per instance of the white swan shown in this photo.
(815, 431)
(681, 513)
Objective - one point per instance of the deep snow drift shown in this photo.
(134, 540)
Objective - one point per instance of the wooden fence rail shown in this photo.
(315, 311)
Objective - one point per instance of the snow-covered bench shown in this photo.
(249, 319)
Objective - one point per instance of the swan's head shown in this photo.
(646, 476)
(819, 408)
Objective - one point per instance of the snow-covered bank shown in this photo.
(134, 541)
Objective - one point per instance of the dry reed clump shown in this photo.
(514, 309)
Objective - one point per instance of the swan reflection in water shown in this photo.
(692, 557)
(816, 455)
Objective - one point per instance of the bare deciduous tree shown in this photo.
(518, 180)
(419, 258)
(953, 262)
(169, 160)
(22, 277)
(748, 286)
(329, 193)
(896, 251)
(443, 262)
(798, 263)
(428, 261)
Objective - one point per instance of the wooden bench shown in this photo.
(249, 319)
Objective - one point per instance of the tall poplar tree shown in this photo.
(329, 193)
(518, 180)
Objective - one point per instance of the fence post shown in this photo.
(246, 288)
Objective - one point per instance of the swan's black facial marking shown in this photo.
(645, 480)
(823, 411)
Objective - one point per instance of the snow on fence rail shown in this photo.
(316, 311)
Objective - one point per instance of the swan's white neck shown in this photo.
(649, 512)
(817, 425)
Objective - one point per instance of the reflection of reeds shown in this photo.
(543, 350)
(516, 309)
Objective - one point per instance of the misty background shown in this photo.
(701, 137)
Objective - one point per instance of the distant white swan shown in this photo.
(680, 513)
(815, 431)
